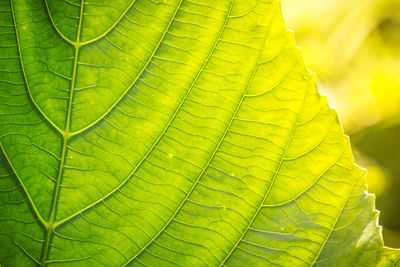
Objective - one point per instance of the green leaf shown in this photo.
(171, 133)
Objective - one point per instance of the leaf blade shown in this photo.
(229, 154)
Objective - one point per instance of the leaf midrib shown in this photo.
(51, 224)
(66, 137)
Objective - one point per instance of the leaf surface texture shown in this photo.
(171, 133)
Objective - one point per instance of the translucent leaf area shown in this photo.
(171, 132)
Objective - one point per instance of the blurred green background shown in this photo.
(354, 47)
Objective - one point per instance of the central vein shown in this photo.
(65, 140)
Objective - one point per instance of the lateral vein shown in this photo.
(272, 181)
(142, 160)
(25, 77)
(133, 82)
(36, 211)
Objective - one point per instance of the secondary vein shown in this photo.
(151, 148)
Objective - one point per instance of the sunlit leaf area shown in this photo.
(192, 133)
(354, 47)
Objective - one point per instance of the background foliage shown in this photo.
(354, 48)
